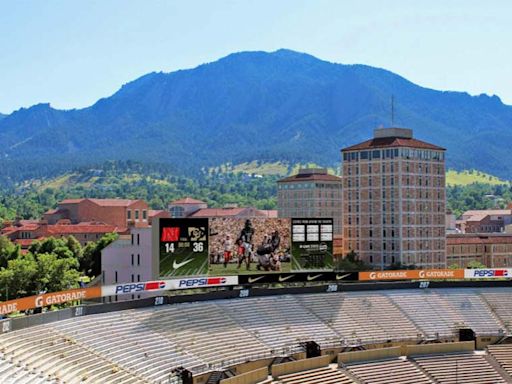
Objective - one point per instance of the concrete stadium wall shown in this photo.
(251, 377)
(430, 349)
(370, 354)
(300, 365)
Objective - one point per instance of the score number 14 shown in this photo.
(196, 247)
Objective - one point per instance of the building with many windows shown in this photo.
(394, 200)
(311, 193)
(494, 250)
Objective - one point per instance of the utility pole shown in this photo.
(392, 110)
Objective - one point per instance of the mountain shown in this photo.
(278, 106)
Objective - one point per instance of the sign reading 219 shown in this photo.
(183, 247)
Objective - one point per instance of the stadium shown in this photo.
(326, 332)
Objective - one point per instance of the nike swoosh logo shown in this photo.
(176, 265)
(252, 280)
(339, 277)
(314, 277)
(281, 278)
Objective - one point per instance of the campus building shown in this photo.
(494, 250)
(122, 213)
(394, 208)
(311, 193)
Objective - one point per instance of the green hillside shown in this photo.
(472, 176)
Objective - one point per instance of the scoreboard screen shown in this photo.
(183, 247)
(312, 244)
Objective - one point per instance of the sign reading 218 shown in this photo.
(183, 247)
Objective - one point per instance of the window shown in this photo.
(133, 279)
(144, 215)
(137, 215)
(132, 258)
(138, 259)
(115, 276)
(129, 214)
(177, 212)
(138, 239)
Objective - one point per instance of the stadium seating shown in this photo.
(49, 354)
(500, 302)
(325, 375)
(396, 371)
(430, 312)
(503, 355)
(361, 317)
(474, 311)
(280, 322)
(145, 345)
(460, 368)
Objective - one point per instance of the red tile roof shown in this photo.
(71, 201)
(231, 212)
(82, 228)
(102, 202)
(187, 200)
(310, 177)
(387, 142)
(463, 239)
(156, 212)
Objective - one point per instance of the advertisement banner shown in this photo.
(166, 285)
(245, 246)
(490, 273)
(297, 277)
(431, 274)
(183, 247)
(48, 299)
(312, 244)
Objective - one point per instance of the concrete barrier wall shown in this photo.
(370, 354)
(429, 349)
(251, 377)
(300, 365)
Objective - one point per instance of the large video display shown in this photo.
(312, 244)
(241, 246)
(183, 247)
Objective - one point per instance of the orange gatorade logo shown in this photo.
(412, 274)
(46, 299)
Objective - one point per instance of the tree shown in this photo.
(18, 279)
(476, 265)
(8, 251)
(90, 262)
(55, 273)
(351, 262)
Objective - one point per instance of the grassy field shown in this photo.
(266, 169)
(472, 176)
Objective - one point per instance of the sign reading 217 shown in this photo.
(183, 245)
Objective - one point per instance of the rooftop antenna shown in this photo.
(392, 110)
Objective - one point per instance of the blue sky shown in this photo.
(71, 53)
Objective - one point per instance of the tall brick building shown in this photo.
(311, 193)
(394, 200)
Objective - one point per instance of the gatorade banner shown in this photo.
(430, 274)
(48, 299)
